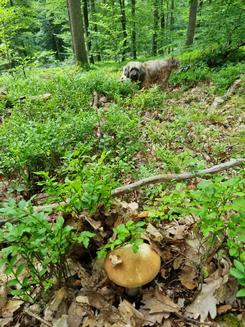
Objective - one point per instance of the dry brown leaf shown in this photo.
(167, 323)
(206, 301)
(154, 233)
(5, 322)
(93, 299)
(76, 314)
(3, 295)
(55, 304)
(61, 322)
(157, 306)
(187, 277)
(82, 299)
(10, 308)
(223, 308)
(143, 214)
(130, 315)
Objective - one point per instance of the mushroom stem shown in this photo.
(132, 291)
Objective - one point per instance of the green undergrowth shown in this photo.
(78, 154)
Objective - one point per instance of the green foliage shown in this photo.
(152, 98)
(35, 251)
(178, 162)
(190, 75)
(87, 185)
(239, 273)
(123, 234)
(219, 205)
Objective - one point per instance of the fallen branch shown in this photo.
(159, 179)
(221, 99)
(175, 177)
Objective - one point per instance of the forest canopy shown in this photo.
(115, 30)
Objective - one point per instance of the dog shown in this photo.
(150, 72)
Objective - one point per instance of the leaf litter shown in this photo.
(177, 297)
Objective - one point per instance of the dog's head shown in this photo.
(173, 63)
(134, 71)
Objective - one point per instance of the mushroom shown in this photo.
(132, 270)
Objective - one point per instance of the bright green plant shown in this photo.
(239, 273)
(87, 185)
(218, 203)
(124, 233)
(35, 251)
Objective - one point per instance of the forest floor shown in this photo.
(54, 117)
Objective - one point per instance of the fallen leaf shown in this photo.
(205, 302)
(82, 299)
(76, 314)
(61, 322)
(115, 259)
(223, 308)
(10, 308)
(5, 322)
(130, 315)
(154, 233)
(157, 306)
(187, 277)
(55, 304)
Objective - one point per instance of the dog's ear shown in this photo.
(126, 71)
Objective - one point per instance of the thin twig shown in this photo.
(176, 177)
(193, 321)
(31, 314)
(160, 179)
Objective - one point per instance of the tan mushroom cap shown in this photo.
(128, 269)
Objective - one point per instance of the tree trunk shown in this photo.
(192, 22)
(134, 52)
(77, 32)
(162, 25)
(155, 27)
(86, 26)
(95, 27)
(124, 31)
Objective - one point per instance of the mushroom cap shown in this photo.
(128, 269)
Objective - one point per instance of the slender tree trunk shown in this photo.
(124, 30)
(133, 10)
(171, 27)
(86, 26)
(155, 27)
(95, 27)
(77, 32)
(192, 22)
(162, 25)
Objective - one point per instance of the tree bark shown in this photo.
(162, 25)
(77, 32)
(124, 30)
(86, 26)
(192, 22)
(155, 27)
(133, 10)
(95, 27)
(176, 177)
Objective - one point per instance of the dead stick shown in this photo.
(193, 321)
(160, 179)
(175, 177)
(28, 312)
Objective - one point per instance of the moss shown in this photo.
(229, 320)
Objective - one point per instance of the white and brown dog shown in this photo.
(150, 72)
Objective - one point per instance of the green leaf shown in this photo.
(239, 266)
(13, 282)
(241, 293)
(19, 269)
(236, 273)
